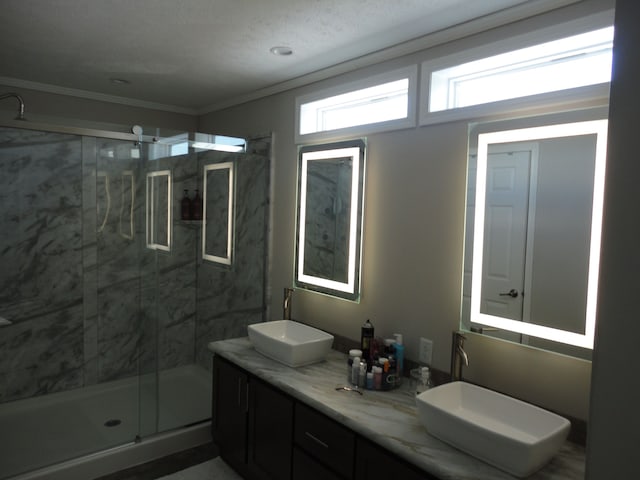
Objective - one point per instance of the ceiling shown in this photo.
(196, 56)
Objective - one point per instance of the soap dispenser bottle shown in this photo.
(185, 206)
(196, 206)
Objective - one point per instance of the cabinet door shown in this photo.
(306, 467)
(230, 407)
(375, 462)
(270, 432)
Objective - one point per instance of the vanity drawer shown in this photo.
(307, 468)
(324, 439)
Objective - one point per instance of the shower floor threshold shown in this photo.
(49, 429)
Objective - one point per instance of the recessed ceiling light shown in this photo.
(119, 81)
(281, 51)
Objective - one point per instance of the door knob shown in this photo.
(513, 293)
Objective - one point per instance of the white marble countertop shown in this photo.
(387, 418)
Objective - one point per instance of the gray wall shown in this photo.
(615, 396)
(81, 112)
(563, 203)
(413, 236)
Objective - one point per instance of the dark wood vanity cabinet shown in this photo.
(375, 462)
(230, 407)
(323, 444)
(264, 433)
(252, 423)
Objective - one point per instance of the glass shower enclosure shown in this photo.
(110, 291)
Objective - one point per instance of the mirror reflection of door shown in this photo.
(505, 232)
(538, 205)
(559, 233)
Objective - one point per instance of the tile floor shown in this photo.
(215, 469)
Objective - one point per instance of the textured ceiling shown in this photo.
(199, 54)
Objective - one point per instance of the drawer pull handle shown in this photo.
(316, 439)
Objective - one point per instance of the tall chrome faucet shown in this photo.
(20, 103)
(458, 356)
(286, 304)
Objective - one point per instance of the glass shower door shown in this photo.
(114, 296)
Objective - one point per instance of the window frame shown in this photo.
(555, 100)
(409, 72)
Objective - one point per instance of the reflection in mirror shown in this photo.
(103, 199)
(330, 197)
(127, 201)
(158, 213)
(217, 225)
(532, 243)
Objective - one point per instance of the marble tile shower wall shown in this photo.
(40, 263)
(229, 299)
(88, 301)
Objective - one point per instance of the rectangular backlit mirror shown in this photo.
(329, 227)
(217, 224)
(532, 248)
(127, 202)
(158, 202)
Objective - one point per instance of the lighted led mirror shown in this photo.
(329, 227)
(532, 246)
(217, 223)
(127, 202)
(158, 214)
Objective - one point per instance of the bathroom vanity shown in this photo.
(273, 421)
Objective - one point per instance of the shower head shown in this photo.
(20, 101)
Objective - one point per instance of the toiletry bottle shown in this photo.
(196, 207)
(377, 377)
(370, 380)
(389, 346)
(424, 382)
(362, 377)
(353, 354)
(384, 362)
(355, 371)
(366, 337)
(399, 354)
(185, 206)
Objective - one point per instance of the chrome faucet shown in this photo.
(20, 103)
(286, 304)
(458, 356)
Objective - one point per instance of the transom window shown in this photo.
(572, 62)
(385, 101)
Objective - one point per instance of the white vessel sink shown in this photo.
(289, 342)
(512, 435)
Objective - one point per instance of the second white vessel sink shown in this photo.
(292, 343)
(512, 435)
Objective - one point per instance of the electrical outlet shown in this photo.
(426, 351)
